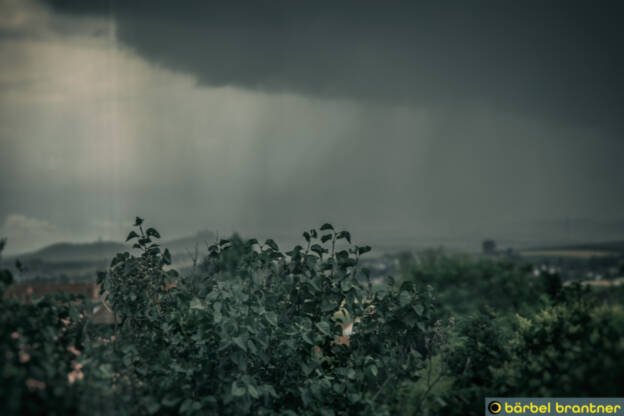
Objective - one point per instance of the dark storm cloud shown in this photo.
(461, 120)
(560, 61)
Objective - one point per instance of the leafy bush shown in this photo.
(40, 343)
(566, 349)
(260, 331)
(515, 334)
(465, 284)
(571, 348)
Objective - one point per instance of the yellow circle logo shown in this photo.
(495, 407)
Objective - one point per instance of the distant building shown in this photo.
(489, 247)
(27, 291)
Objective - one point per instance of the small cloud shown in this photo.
(26, 233)
(30, 19)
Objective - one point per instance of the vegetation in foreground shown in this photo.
(254, 330)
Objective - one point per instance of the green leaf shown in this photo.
(324, 327)
(169, 401)
(419, 309)
(338, 388)
(306, 338)
(363, 249)
(326, 226)
(314, 283)
(151, 232)
(271, 317)
(166, 257)
(131, 235)
(237, 391)
(271, 244)
(328, 304)
(152, 406)
(106, 370)
(252, 391)
(344, 234)
(240, 343)
(217, 317)
(251, 347)
(138, 221)
(186, 406)
(405, 298)
(197, 304)
(271, 390)
(318, 249)
(326, 238)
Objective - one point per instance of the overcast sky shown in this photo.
(410, 119)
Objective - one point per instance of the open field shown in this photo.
(572, 253)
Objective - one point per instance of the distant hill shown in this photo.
(75, 252)
(67, 261)
(105, 250)
(80, 261)
(615, 247)
(612, 249)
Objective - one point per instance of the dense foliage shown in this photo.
(256, 330)
(39, 348)
(465, 284)
(517, 334)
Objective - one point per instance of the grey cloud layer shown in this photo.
(557, 60)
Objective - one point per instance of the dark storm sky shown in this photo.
(430, 119)
(560, 60)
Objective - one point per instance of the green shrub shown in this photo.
(570, 348)
(464, 284)
(40, 353)
(259, 331)
(567, 349)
